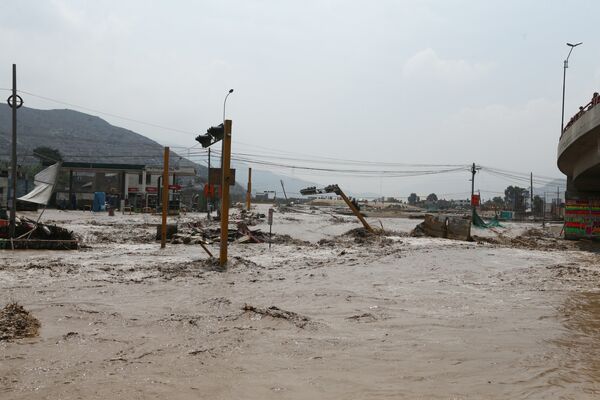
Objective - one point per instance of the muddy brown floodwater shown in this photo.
(336, 317)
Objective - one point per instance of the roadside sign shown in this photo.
(209, 190)
(215, 176)
(270, 221)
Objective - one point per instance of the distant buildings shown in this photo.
(138, 185)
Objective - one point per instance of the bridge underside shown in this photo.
(579, 159)
(587, 183)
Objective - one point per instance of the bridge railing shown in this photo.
(582, 110)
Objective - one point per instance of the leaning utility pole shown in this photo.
(14, 101)
(283, 187)
(225, 182)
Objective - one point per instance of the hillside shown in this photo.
(82, 137)
(79, 137)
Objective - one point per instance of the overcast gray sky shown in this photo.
(433, 82)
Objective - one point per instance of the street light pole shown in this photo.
(225, 102)
(223, 142)
(565, 66)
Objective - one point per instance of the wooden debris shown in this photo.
(276, 312)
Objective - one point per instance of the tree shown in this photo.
(413, 199)
(47, 155)
(515, 197)
(498, 202)
(443, 204)
(432, 198)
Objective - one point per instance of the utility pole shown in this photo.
(473, 172)
(208, 203)
(282, 187)
(531, 192)
(544, 211)
(225, 181)
(249, 190)
(165, 198)
(14, 101)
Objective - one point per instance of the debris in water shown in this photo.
(366, 317)
(17, 323)
(276, 312)
(443, 226)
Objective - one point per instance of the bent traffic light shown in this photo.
(312, 190)
(204, 140)
(217, 132)
(212, 136)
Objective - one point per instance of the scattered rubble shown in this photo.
(287, 239)
(32, 235)
(443, 226)
(17, 323)
(171, 231)
(538, 241)
(24, 226)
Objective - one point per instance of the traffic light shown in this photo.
(312, 190)
(216, 132)
(212, 135)
(204, 140)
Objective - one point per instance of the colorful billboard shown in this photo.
(582, 218)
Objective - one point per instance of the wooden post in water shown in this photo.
(225, 182)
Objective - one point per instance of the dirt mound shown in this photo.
(358, 233)
(17, 323)
(287, 239)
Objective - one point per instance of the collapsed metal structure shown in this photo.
(336, 189)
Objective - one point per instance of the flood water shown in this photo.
(388, 318)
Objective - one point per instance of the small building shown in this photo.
(138, 185)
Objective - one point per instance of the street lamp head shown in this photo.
(225, 102)
(574, 45)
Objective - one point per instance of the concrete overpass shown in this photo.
(579, 160)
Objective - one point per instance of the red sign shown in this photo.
(209, 191)
(174, 187)
(151, 189)
(475, 200)
(133, 190)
